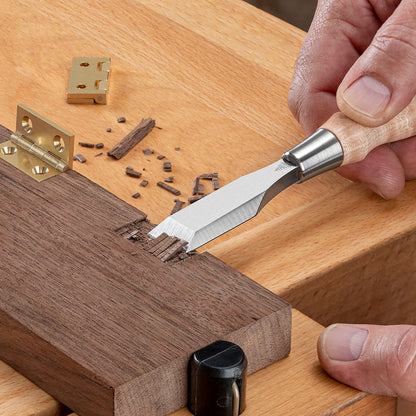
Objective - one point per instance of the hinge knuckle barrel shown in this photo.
(317, 154)
(39, 148)
(40, 152)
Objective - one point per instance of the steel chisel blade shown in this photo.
(229, 206)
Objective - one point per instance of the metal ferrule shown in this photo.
(317, 154)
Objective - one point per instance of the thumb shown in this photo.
(382, 82)
(373, 358)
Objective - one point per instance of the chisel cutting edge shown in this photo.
(339, 141)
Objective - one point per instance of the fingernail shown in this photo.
(367, 96)
(344, 342)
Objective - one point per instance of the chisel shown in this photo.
(339, 141)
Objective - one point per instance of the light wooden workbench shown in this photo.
(215, 76)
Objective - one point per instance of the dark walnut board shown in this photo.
(100, 323)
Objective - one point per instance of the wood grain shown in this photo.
(211, 82)
(101, 324)
(215, 76)
(20, 397)
(347, 263)
(301, 386)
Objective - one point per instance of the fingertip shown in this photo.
(381, 171)
(406, 152)
(373, 358)
(341, 342)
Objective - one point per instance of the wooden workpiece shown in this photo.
(100, 323)
(215, 77)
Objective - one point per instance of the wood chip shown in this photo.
(132, 138)
(84, 144)
(177, 148)
(99, 145)
(133, 173)
(125, 230)
(167, 242)
(136, 195)
(144, 183)
(98, 154)
(200, 190)
(121, 120)
(153, 244)
(80, 158)
(195, 187)
(169, 179)
(173, 250)
(208, 176)
(160, 157)
(109, 130)
(215, 184)
(195, 198)
(148, 151)
(168, 188)
(178, 206)
(167, 166)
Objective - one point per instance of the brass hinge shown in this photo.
(39, 147)
(88, 81)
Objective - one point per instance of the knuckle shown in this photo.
(401, 366)
(396, 40)
(294, 101)
(296, 95)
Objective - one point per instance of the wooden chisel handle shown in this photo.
(340, 141)
(357, 140)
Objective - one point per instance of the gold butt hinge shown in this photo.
(39, 147)
(88, 81)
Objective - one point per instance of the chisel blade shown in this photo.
(229, 206)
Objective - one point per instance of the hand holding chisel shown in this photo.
(340, 141)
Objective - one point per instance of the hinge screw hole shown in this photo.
(84, 64)
(8, 150)
(59, 143)
(81, 86)
(27, 124)
(40, 170)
